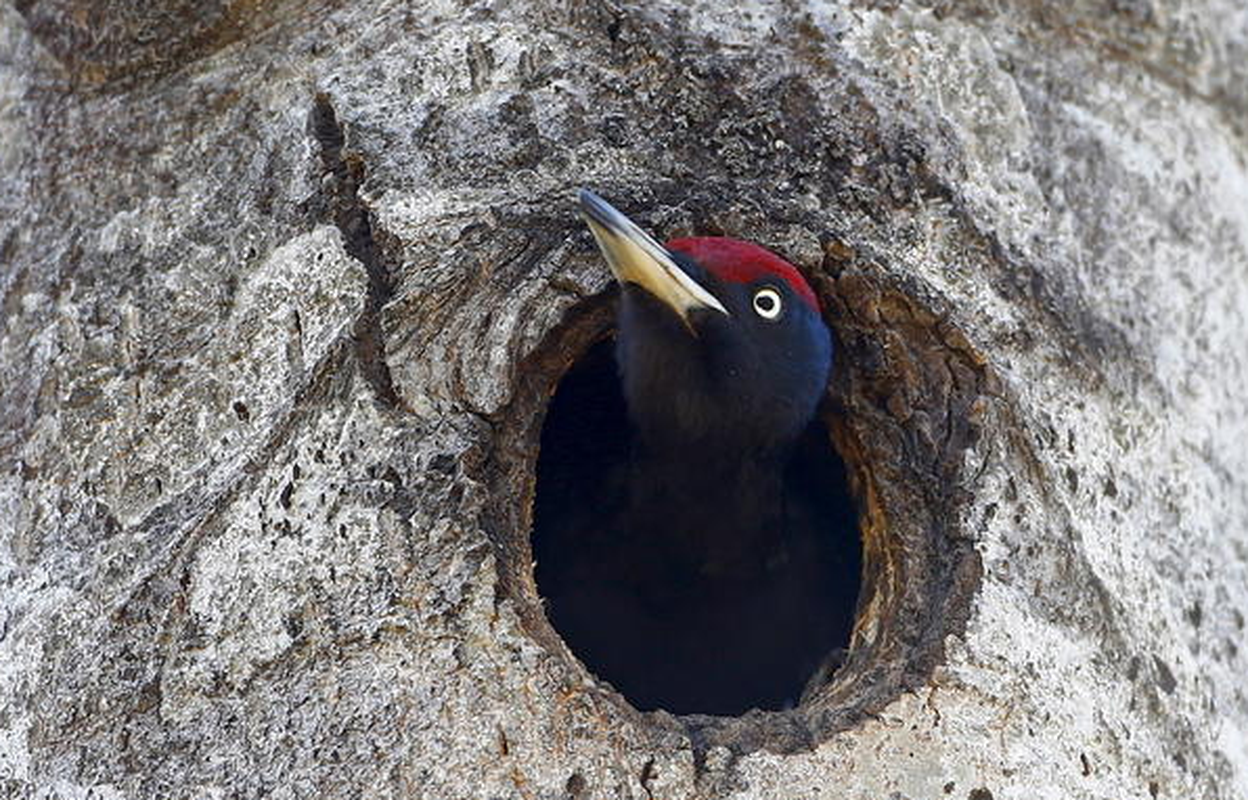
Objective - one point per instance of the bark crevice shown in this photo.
(345, 174)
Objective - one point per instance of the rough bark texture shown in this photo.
(285, 286)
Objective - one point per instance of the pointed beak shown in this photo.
(636, 258)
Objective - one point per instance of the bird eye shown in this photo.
(767, 303)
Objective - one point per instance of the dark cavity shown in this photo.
(703, 647)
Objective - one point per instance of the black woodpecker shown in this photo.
(703, 574)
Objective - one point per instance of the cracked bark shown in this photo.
(285, 289)
(352, 220)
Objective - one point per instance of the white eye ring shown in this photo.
(768, 303)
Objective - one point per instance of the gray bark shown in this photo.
(285, 289)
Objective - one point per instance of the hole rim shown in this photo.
(918, 581)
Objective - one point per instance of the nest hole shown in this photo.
(729, 646)
(908, 398)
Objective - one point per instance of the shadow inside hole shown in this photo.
(711, 647)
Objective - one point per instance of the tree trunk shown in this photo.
(286, 288)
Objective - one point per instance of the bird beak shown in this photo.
(636, 258)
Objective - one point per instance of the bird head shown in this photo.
(721, 346)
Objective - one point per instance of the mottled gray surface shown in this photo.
(264, 435)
